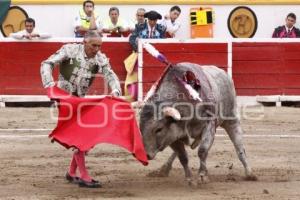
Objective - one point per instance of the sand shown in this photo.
(33, 168)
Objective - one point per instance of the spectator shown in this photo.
(172, 26)
(288, 30)
(87, 19)
(130, 86)
(140, 18)
(149, 29)
(30, 32)
(115, 26)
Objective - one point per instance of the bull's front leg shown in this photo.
(206, 142)
(179, 148)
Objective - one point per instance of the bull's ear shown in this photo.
(172, 112)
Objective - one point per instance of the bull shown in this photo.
(185, 109)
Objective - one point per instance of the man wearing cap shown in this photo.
(149, 29)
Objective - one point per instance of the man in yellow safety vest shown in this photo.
(87, 19)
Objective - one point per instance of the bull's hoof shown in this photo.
(251, 177)
(203, 179)
(189, 181)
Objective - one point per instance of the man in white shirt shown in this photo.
(170, 23)
(30, 32)
(115, 26)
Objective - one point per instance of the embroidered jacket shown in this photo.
(76, 71)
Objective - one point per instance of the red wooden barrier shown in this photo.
(203, 54)
(20, 65)
(266, 68)
(258, 68)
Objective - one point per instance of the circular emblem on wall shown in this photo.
(14, 21)
(242, 22)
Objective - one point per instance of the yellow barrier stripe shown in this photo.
(167, 2)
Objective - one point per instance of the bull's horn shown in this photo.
(137, 104)
(172, 112)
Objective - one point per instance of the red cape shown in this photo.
(85, 122)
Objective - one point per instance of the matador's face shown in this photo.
(92, 46)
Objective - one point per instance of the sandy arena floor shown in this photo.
(33, 168)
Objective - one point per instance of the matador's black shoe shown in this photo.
(72, 179)
(91, 184)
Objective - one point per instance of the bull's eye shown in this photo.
(158, 130)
